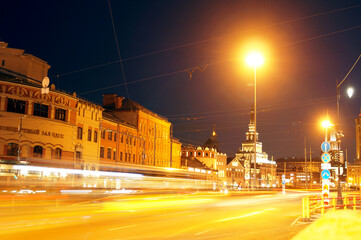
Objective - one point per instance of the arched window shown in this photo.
(12, 149)
(57, 153)
(38, 151)
(199, 153)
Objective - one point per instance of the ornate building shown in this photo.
(57, 128)
(265, 169)
(208, 155)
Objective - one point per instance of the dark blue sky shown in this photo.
(310, 44)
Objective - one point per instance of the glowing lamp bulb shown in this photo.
(254, 59)
(350, 92)
(326, 124)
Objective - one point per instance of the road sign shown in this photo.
(326, 191)
(325, 165)
(325, 146)
(283, 182)
(325, 157)
(325, 174)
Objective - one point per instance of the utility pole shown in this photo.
(155, 139)
(20, 128)
(305, 164)
(311, 165)
(171, 145)
(272, 171)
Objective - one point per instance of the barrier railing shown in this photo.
(312, 204)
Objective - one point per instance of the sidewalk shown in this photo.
(342, 224)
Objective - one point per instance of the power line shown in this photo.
(224, 60)
(206, 40)
(118, 50)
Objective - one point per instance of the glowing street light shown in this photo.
(326, 124)
(350, 92)
(255, 59)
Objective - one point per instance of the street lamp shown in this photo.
(350, 92)
(255, 60)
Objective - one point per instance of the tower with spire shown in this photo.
(212, 142)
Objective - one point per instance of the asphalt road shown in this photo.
(265, 215)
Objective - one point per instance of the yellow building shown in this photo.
(56, 128)
(86, 135)
(153, 129)
(41, 124)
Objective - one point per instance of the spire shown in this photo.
(214, 129)
(252, 115)
(212, 142)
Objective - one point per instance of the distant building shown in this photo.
(265, 168)
(354, 174)
(207, 155)
(294, 170)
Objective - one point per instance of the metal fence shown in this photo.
(314, 204)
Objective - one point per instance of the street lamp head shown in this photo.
(350, 92)
(254, 59)
(326, 124)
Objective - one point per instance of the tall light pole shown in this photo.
(255, 60)
(338, 131)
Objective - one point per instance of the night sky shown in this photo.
(307, 46)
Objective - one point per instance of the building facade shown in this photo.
(57, 128)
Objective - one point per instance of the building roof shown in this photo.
(108, 115)
(129, 105)
(193, 162)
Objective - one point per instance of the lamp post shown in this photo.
(255, 60)
(338, 131)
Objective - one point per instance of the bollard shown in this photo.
(303, 210)
(354, 203)
(334, 203)
(323, 206)
(308, 207)
(345, 203)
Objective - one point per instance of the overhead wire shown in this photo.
(206, 40)
(118, 50)
(224, 60)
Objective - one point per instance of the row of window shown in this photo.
(127, 156)
(40, 110)
(12, 150)
(92, 114)
(111, 136)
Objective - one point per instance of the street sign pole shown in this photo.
(325, 174)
